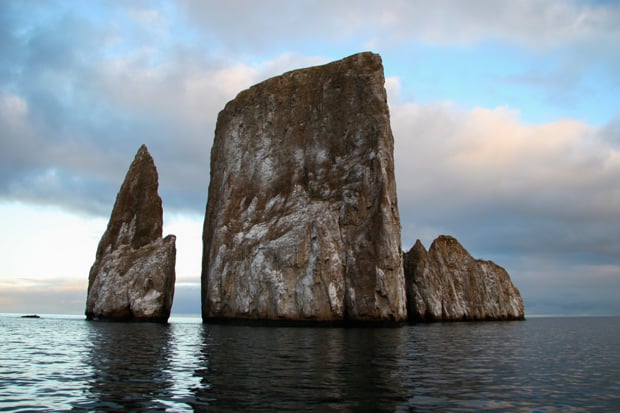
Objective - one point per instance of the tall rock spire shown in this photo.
(134, 271)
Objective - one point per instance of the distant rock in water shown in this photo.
(447, 284)
(134, 271)
(302, 221)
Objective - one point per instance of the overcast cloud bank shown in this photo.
(505, 117)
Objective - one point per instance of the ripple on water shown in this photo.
(538, 365)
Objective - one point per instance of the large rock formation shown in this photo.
(133, 274)
(302, 221)
(447, 284)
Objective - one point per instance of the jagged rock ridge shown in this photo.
(133, 275)
(446, 283)
(302, 220)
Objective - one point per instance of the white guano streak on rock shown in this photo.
(127, 232)
(303, 290)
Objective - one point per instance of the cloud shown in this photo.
(550, 287)
(80, 101)
(81, 87)
(541, 200)
(46, 242)
(187, 296)
(552, 58)
(474, 161)
(532, 23)
(76, 103)
(55, 296)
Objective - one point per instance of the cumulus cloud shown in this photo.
(76, 103)
(567, 53)
(541, 200)
(455, 165)
(532, 23)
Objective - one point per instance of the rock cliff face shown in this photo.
(302, 221)
(133, 274)
(447, 284)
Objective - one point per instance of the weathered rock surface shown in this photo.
(134, 271)
(447, 284)
(302, 221)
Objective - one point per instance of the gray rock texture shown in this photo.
(302, 221)
(447, 284)
(134, 271)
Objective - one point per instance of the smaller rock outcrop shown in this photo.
(446, 283)
(134, 271)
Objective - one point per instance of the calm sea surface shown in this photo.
(540, 365)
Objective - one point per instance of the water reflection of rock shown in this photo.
(288, 369)
(130, 367)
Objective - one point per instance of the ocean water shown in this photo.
(61, 363)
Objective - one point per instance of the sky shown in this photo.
(505, 115)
